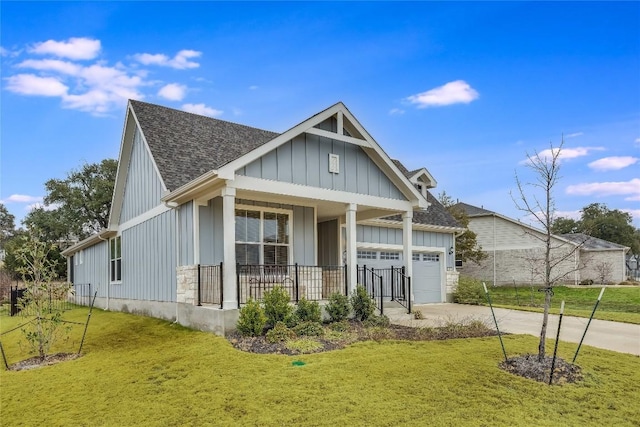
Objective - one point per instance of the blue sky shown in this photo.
(464, 89)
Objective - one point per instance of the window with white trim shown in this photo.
(415, 256)
(262, 237)
(390, 255)
(367, 255)
(115, 259)
(79, 257)
(431, 257)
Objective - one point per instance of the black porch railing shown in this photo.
(314, 283)
(394, 285)
(53, 300)
(373, 283)
(210, 285)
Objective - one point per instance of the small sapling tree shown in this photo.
(42, 295)
(536, 199)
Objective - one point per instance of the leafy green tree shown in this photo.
(51, 225)
(7, 225)
(597, 220)
(15, 264)
(563, 225)
(83, 198)
(467, 247)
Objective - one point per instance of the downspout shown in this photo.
(108, 277)
(494, 249)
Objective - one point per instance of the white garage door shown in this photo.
(426, 281)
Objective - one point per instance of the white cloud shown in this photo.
(57, 65)
(568, 214)
(573, 135)
(637, 142)
(253, 87)
(396, 112)
(566, 153)
(30, 84)
(201, 109)
(613, 163)
(456, 92)
(630, 189)
(3, 51)
(39, 205)
(74, 48)
(180, 61)
(173, 92)
(22, 198)
(95, 87)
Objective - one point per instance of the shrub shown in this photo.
(418, 315)
(362, 304)
(586, 282)
(308, 311)
(469, 291)
(377, 322)
(309, 329)
(627, 283)
(252, 319)
(280, 332)
(338, 307)
(276, 306)
(340, 326)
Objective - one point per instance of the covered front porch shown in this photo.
(247, 242)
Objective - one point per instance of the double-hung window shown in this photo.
(115, 259)
(262, 237)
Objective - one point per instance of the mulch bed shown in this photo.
(357, 333)
(37, 362)
(529, 367)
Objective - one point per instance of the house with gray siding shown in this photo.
(515, 253)
(207, 214)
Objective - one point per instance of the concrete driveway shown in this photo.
(615, 336)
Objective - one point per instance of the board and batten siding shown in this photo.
(302, 231)
(149, 260)
(305, 161)
(186, 245)
(211, 229)
(143, 189)
(94, 268)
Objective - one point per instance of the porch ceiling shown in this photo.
(326, 210)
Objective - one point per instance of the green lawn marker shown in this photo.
(486, 292)
(588, 323)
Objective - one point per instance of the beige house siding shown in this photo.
(599, 266)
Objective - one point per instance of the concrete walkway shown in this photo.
(615, 336)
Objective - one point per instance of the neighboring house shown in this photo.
(210, 212)
(515, 252)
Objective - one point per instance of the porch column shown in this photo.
(352, 248)
(229, 279)
(407, 242)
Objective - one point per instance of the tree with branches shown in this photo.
(536, 200)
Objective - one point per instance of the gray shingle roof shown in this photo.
(436, 214)
(591, 243)
(186, 145)
(471, 210)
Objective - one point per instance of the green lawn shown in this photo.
(617, 304)
(143, 371)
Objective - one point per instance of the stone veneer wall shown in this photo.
(187, 282)
(452, 284)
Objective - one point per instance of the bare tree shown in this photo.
(536, 199)
(604, 270)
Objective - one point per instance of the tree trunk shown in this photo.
(545, 320)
